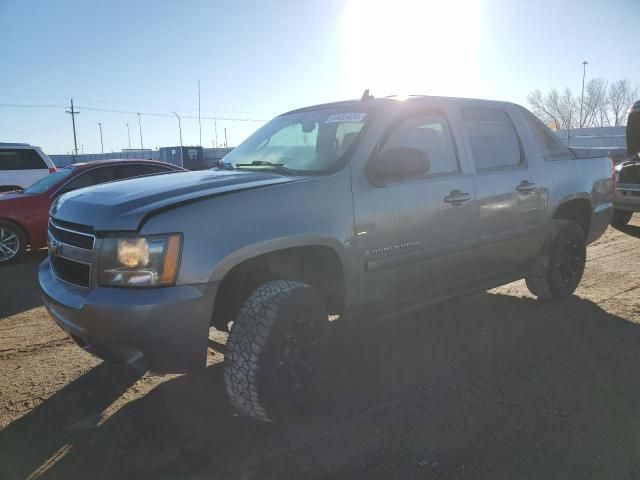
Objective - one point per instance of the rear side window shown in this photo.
(20, 159)
(137, 170)
(429, 133)
(493, 138)
(552, 146)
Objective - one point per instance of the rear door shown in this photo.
(413, 236)
(507, 185)
(21, 167)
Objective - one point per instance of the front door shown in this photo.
(413, 236)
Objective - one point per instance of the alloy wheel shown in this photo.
(9, 244)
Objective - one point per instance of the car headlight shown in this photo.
(145, 261)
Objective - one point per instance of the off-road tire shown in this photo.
(558, 269)
(255, 374)
(6, 230)
(621, 218)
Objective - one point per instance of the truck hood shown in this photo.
(124, 205)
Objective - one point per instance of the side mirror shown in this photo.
(400, 163)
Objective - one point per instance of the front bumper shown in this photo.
(627, 198)
(161, 329)
(600, 219)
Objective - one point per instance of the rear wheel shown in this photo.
(620, 218)
(275, 350)
(558, 269)
(13, 242)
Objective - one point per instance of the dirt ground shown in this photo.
(491, 386)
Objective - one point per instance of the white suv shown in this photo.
(21, 165)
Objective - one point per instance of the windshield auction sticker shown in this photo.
(346, 117)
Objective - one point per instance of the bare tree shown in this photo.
(543, 109)
(568, 109)
(621, 96)
(604, 105)
(595, 107)
(559, 111)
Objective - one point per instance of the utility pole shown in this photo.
(215, 129)
(584, 72)
(199, 121)
(179, 126)
(225, 139)
(129, 136)
(73, 114)
(140, 127)
(101, 144)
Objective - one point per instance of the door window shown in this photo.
(431, 134)
(493, 138)
(20, 159)
(91, 177)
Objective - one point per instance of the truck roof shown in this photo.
(7, 144)
(395, 99)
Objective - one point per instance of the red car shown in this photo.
(24, 214)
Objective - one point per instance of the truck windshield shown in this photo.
(301, 142)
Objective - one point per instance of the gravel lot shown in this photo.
(490, 386)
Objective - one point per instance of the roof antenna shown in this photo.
(366, 96)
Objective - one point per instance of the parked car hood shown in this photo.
(123, 205)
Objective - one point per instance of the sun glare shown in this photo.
(412, 46)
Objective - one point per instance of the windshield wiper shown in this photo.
(263, 163)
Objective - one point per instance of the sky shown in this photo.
(257, 59)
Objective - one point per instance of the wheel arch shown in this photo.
(22, 228)
(9, 188)
(318, 264)
(576, 208)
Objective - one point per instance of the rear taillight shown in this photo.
(614, 176)
(52, 170)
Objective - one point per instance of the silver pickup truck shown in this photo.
(333, 211)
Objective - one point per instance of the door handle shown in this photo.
(456, 197)
(526, 186)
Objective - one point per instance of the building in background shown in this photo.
(597, 137)
(191, 158)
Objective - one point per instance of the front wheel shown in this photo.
(558, 269)
(13, 242)
(275, 349)
(620, 218)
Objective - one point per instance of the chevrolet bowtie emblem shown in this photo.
(54, 247)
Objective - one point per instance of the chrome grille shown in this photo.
(71, 237)
(71, 253)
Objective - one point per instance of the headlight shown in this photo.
(148, 261)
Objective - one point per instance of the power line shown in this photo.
(131, 112)
(146, 105)
(18, 105)
(169, 115)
